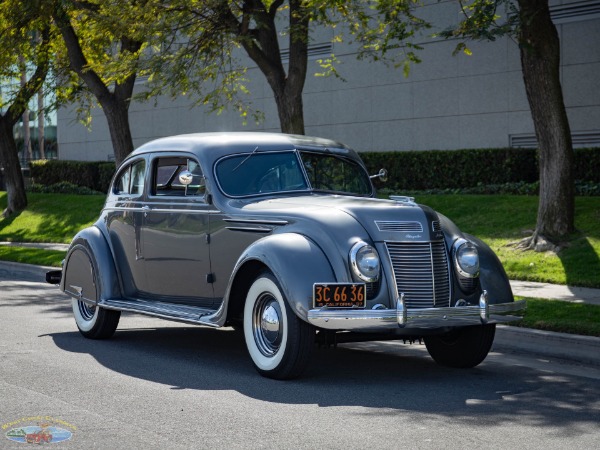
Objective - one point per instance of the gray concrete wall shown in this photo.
(447, 102)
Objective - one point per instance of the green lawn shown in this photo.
(501, 219)
(497, 219)
(50, 217)
(566, 317)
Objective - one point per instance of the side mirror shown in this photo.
(185, 177)
(382, 175)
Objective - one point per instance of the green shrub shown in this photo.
(64, 187)
(459, 169)
(583, 189)
(93, 175)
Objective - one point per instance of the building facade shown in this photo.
(446, 102)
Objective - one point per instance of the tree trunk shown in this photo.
(117, 115)
(290, 110)
(27, 150)
(540, 61)
(264, 50)
(13, 177)
(41, 125)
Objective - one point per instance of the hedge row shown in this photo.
(455, 169)
(95, 175)
(409, 170)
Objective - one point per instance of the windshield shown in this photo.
(262, 173)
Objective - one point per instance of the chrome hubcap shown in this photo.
(267, 325)
(86, 311)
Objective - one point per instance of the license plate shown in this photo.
(340, 295)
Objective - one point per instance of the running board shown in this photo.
(170, 311)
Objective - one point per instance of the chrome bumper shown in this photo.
(382, 319)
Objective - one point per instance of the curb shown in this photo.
(44, 246)
(549, 344)
(28, 272)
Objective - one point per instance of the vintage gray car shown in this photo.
(281, 236)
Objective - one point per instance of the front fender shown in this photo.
(89, 267)
(492, 275)
(297, 263)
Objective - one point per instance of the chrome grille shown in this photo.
(405, 227)
(421, 273)
(435, 226)
(373, 289)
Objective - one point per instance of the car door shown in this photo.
(124, 221)
(174, 233)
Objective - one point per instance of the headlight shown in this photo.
(466, 258)
(365, 262)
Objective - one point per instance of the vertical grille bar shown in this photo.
(421, 272)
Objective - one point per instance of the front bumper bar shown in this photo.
(423, 318)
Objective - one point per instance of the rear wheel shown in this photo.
(279, 343)
(463, 347)
(95, 322)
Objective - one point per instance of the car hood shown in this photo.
(383, 220)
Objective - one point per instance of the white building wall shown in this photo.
(447, 102)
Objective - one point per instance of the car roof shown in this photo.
(212, 146)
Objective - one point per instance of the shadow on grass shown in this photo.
(6, 221)
(580, 260)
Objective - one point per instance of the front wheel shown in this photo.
(463, 347)
(279, 343)
(95, 322)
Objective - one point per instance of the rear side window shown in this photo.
(130, 180)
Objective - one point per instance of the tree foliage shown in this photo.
(103, 50)
(27, 42)
(530, 24)
(202, 54)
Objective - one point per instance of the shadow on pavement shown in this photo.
(401, 382)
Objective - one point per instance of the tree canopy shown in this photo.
(27, 42)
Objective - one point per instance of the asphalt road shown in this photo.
(165, 385)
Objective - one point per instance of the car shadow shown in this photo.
(386, 382)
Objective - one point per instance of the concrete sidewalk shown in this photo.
(60, 247)
(555, 292)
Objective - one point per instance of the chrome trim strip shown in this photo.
(385, 319)
(250, 229)
(399, 226)
(78, 296)
(257, 221)
(178, 313)
(157, 210)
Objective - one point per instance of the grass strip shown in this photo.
(561, 316)
(35, 256)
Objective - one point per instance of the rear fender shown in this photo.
(89, 271)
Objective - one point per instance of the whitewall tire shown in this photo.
(279, 343)
(95, 322)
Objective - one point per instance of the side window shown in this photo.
(131, 179)
(122, 182)
(166, 177)
(137, 177)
